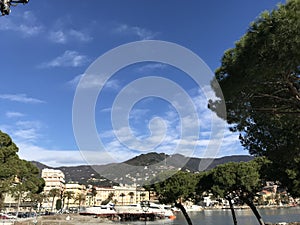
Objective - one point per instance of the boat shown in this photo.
(193, 208)
(99, 211)
(162, 210)
(159, 210)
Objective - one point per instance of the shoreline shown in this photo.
(85, 220)
(247, 207)
(76, 219)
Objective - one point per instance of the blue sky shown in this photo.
(48, 45)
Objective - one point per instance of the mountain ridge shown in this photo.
(139, 168)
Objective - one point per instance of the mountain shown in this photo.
(140, 168)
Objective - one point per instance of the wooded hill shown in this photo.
(139, 168)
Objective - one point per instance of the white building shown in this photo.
(121, 195)
(76, 190)
(54, 179)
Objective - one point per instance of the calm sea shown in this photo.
(223, 217)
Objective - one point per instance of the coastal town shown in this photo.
(138, 112)
(59, 197)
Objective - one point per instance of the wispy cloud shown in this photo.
(23, 98)
(64, 36)
(24, 131)
(150, 67)
(26, 24)
(213, 140)
(61, 157)
(62, 31)
(141, 33)
(67, 59)
(14, 114)
(93, 81)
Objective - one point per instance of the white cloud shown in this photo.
(20, 98)
(141, 33)
(67, 59)
(214, 139)
(150, 67)
(65, 157)
(64, 36)
(24, 131)
(14, 114)
(25, 23)
(117, 152)
(29, 124)
(30, 134)
(58, 37)
(79, 35)
(113, 84)
(93, 81)
(50, 157)
(137, 114)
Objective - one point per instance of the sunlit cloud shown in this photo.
(26, 24)
(141, 33)
(23, 98)
(14, 114)
(93, 81)
(150, 67)
(67, 59)
(64, 36)
(215, 140)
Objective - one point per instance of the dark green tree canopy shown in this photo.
(174, 188)
(8, 157)
(260, 80)
(261, 74)
(235, 180)
(16, 175)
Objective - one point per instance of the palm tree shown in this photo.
(53, 193)
(69, 195)
(122, 195)
(80, 198)
(115, 201)
(36, 200)
(109, 199)
(94, 193)
(131, 194)
(142, 195)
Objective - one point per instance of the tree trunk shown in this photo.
(254, 210)
(186, 215)
(232, 210)
(52, 208)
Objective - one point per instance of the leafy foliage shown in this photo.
(110, 198)
(53, 193)
(17, 176)
(235, 180)
(68, 195)
(260, 80)
(175, 189)
(80, 198)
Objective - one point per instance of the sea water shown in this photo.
(223, 217)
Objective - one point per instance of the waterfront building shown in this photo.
(77, 198)
(54, 179)
(120, 195)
